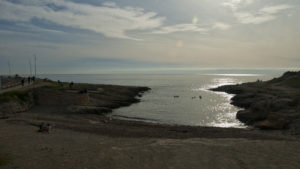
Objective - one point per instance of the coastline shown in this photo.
(83, 137)
(270, 105)
(65, 107)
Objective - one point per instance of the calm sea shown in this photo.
(195, 104)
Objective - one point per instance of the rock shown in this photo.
(11, 108)
(280, 104)
(272, 123)
(249, 116)
(274, 104)
(88, 110)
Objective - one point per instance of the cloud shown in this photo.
(275, 9)
(263, 15)
(222, 26)
(234, 4)
(248, 18)
(180, 28)
(108, 19)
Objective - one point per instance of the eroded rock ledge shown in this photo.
(272, 104)
(80, 99)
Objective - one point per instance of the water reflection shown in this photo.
(226, 113)
(212, 109)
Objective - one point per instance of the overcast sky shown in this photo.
(95, 36)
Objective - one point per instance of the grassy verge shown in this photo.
(19, 96)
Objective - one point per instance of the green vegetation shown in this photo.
(20, 96)
(52, 87)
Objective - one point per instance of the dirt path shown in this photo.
(28, 149)
(25, 87)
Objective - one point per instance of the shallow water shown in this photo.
(195, 104)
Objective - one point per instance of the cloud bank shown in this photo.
(109, 19)
(263, 15)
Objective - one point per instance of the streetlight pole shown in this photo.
(30, 70)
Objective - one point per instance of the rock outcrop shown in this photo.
(80, 99)
(272, 104)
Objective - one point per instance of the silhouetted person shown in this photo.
(22, 82)
(71, 85)
(28, 80)
(33, 78)
(60, 83)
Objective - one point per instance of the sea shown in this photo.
(180, 99)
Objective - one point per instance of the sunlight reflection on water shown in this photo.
(160, 106)
(227, 112)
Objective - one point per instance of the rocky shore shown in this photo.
(272, 104)
(66, 99)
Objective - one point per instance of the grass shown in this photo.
(65, 86)
(20, 96)
(56, 86)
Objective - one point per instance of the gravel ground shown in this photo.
(83, 149)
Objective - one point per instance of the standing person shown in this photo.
(28, 79)
(22, 81)
(71, 85)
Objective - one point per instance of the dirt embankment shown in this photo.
(273, 104)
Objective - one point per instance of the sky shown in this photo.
(96, 36)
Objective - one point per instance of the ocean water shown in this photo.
(195, 104)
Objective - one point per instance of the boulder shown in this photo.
(249, 116)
